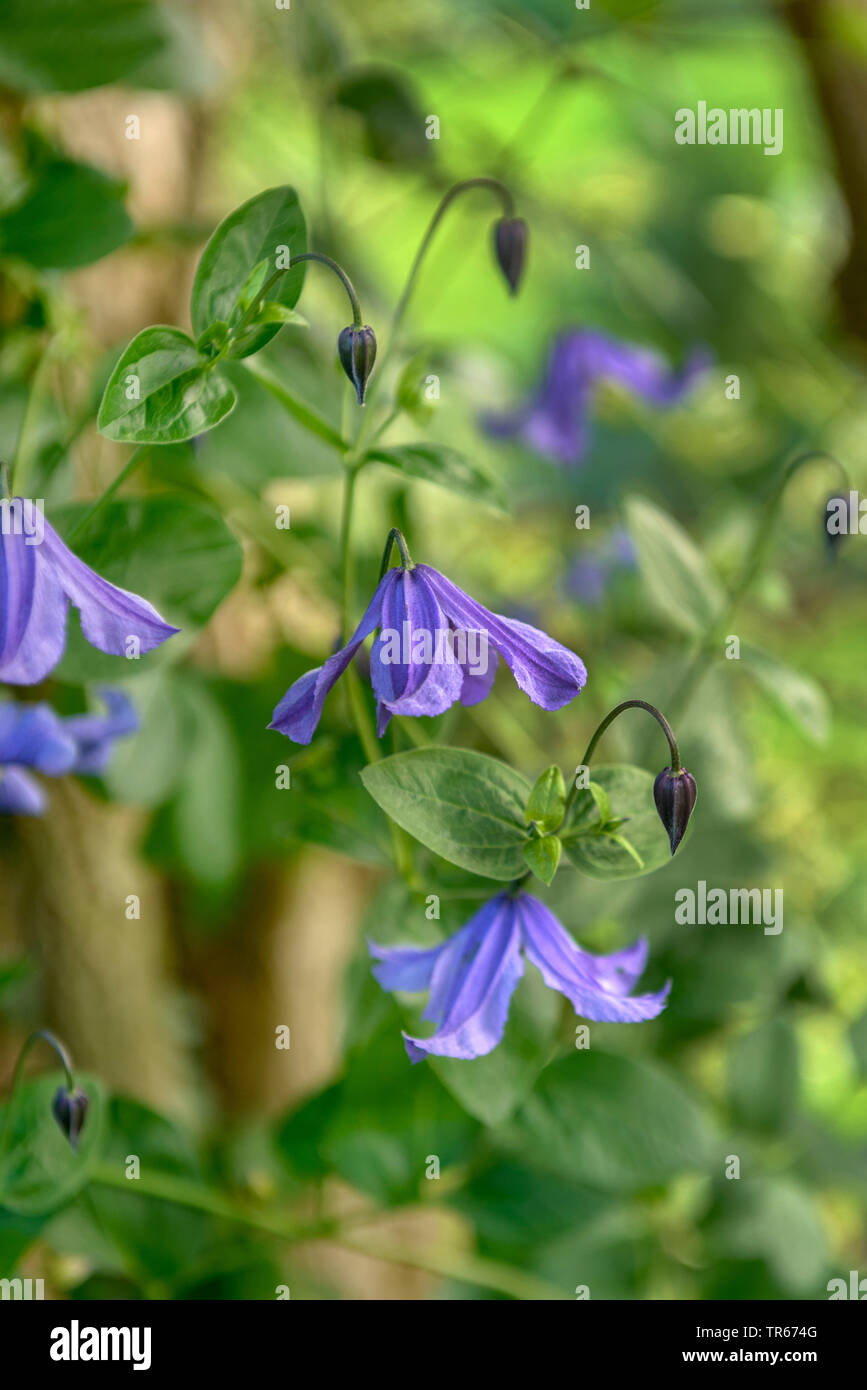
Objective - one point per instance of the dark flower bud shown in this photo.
(70, 1112)
(674, 794)
(357, 349)
(510, 245)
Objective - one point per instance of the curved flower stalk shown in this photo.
(436, 645)
(33, 738)
(472, 976)
(555, 420)
(38, 582)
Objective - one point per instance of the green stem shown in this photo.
(350, 477)
(41, 1035)
(609, 719)
(357, 320)
(395, 537)
(459, 1265)
(24, 447)
(752, 566)
(445, 203)
(299, 411)
(126, 472)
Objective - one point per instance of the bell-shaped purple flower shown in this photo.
(472, 976)
(555, 420)
(436, 645)
(39, 578)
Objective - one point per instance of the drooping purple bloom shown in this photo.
(94, 734)
(436, 645)
(472, 976)
(38, 581)
(31, 736)
(555, 419)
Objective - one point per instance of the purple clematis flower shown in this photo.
(31, 736)
(555, 418)
(436, 645)
(472, 976)
(94, 734)
(38, 581)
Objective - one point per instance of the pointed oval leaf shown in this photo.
(163, 391)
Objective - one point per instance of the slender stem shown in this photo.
(395, 537)
(24, 445)
(459, 1265)
(609, 719)
(301, 412)
(338, 271)
(41, 1035)
(448, 198)
(350, 477)
(752, 565)
(126, 472)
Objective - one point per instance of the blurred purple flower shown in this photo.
(555, 418)
(39, 578)
(472, 976)
(94, 734)
(35, 737)
(31, 736)
(436, 646)
(590, 575)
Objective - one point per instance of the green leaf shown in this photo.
(679, 583)
(796, 695)
(492, 1087)
(542, 856)
(775, 1220)
(465, 806)
(435, 463)
(39, 1169)
(603, 805)
(162, 391)
(547, 801)
(612, 1122)
(629, 793)
(70, 45)
(763, 1077)
(205, 810)
(179, 555)
(72, 216)
(251, 234)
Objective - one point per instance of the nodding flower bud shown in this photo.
(510, 245)
(674, 794)
(70, 1112)
(357, 349)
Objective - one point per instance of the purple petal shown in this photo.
(33, 736)
(425, 678)
(547, 671)
(94, 734)
(110, 616)
(595, 985)
(33, 610)
(473, 980)
(20, 794)
(300, 710)
(477, 684)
